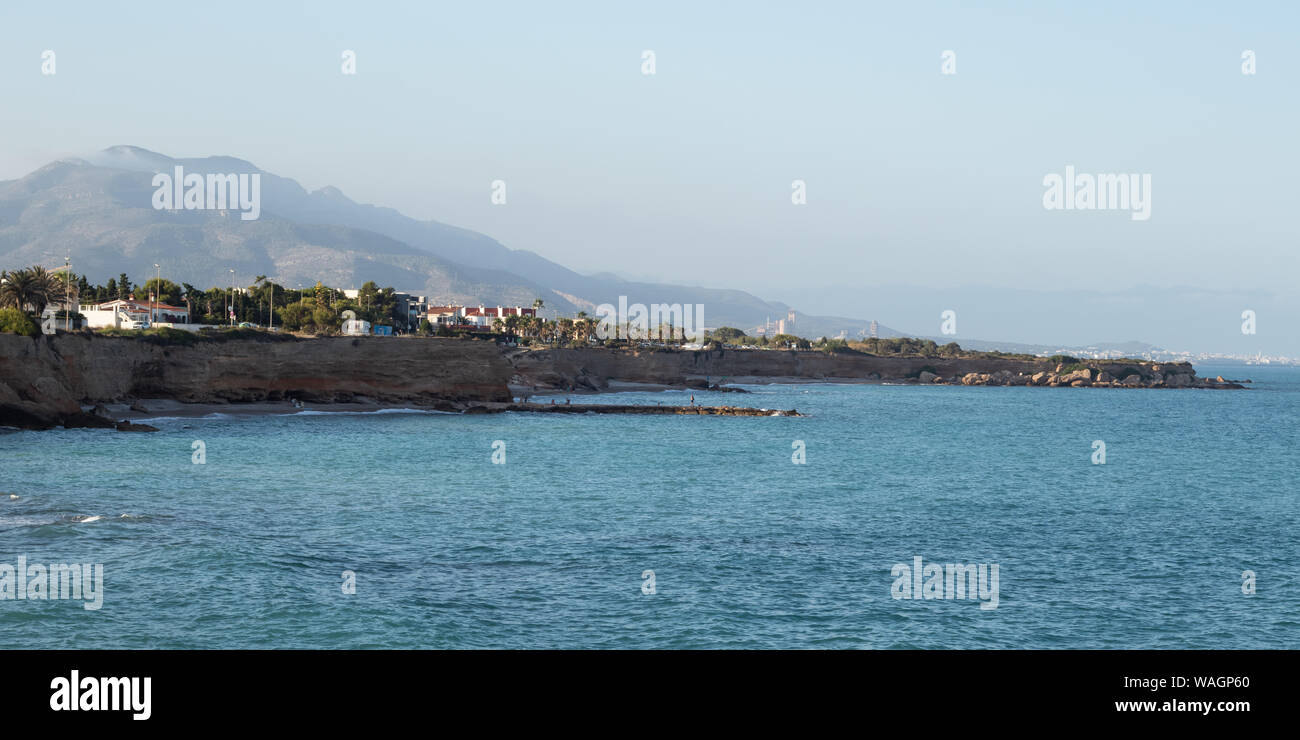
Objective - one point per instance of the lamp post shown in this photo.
(157, 288)
(67, 293)
(231, 308)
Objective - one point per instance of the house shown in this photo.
(132, 314)
(475, 318)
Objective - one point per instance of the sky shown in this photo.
(914, 178)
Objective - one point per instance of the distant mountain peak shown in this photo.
(333, 193)
(131, 157)
(130, 149)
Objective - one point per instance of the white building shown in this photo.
(132, 314)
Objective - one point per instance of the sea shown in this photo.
(1112, 518)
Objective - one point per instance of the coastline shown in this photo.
(81, 379)
(144, 410)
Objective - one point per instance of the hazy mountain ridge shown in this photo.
(99, 209)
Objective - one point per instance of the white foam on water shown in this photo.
(314, 412)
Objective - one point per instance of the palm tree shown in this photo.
(34, 287)
(190, 293)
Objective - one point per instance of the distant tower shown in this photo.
(875, 329)
(789, 321)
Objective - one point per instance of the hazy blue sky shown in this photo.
(914, 177)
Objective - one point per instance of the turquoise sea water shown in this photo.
(748, 549)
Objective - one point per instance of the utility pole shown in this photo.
(231, 308)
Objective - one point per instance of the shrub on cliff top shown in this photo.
(14, 321)
(165, 336)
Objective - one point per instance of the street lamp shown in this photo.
(157, 288)
(67, 293)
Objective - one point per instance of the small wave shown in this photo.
(314, 412)
(215, 415)
(84, 519)
(26, 521)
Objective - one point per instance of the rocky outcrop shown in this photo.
(596, 368)
(593, 368)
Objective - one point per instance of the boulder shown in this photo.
(27, 415)
(927, 377)
(53, 394)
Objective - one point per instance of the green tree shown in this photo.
(30, 289)
(727, 334)
(325, 320)
(15, 321)
(295, 316)
(167, 291)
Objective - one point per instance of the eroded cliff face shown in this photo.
(595, 368)
(44, 381)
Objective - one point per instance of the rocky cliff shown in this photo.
(596, 368)
(45, 381)
(49, 381)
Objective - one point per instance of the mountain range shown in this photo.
(98, 209)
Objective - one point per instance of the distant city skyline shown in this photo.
(924, 189)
